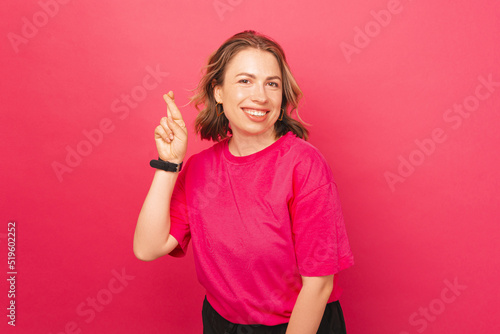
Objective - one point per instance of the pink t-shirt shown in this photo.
(256, 224)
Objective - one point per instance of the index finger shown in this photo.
(172, 107)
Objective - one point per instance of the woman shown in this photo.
(260, 206)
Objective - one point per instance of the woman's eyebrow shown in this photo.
(253, 76)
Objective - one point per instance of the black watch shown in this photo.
(166, 165)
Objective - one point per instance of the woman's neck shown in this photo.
(241, 146)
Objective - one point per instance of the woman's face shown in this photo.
(251, 93)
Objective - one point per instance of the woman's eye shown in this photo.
(244, 81)
(274, 84)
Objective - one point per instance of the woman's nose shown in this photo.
(259, 94)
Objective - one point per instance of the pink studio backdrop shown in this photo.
(403, 98)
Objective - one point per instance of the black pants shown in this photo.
(213, 323)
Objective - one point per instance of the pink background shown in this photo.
(370, 99)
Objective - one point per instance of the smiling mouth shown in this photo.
(255, 112)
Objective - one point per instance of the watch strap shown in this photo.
(166, 165)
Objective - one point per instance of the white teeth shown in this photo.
(255, 112)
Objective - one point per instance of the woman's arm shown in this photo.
(152, 237)
(310, 305)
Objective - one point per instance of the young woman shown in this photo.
(260, 206)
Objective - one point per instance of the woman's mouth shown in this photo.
(255, 112)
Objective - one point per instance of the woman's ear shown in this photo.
(217, 94)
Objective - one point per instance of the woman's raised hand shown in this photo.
(171, 135)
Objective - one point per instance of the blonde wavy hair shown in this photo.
(216, 128)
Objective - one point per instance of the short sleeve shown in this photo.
(179, 219)
(319, 232)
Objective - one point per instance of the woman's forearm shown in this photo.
(153, 224)
(310, 306)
